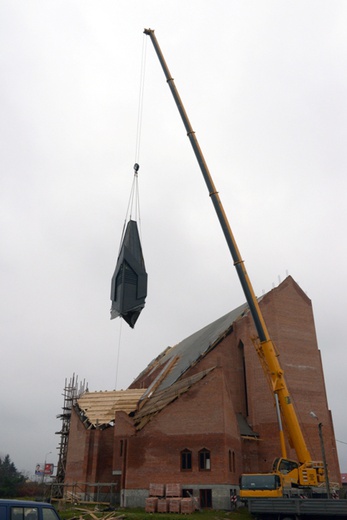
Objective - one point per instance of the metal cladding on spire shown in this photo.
(129, 281)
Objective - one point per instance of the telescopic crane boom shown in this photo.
(266, 348)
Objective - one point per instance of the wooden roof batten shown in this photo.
(98, 409)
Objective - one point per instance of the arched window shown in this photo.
(186, 460)
(204, 460)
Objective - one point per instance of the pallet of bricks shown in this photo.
(156, 493)
(177, 504)
(168, 499)
(174, 497)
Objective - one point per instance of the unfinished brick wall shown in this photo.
(194, 421)
(89, 454)
(205, 416)
(289, 316)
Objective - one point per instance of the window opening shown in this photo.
(205, 498)
(204, 460)
(186, 460)
(232, 466)
(244, 374)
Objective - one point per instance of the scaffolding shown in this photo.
(72, 391)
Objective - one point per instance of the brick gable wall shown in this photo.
(205, 415)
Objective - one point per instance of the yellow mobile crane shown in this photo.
(285, 474)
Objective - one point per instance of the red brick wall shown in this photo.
(204, 417)
(195, 421)
(288, 314)
(90, 453)
(77, 463)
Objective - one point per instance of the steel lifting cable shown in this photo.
(118, 352)
(133, 209)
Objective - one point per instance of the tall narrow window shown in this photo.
(186, 460)
(232, 466)
(244, 374)
(121, 447)
(204, 460)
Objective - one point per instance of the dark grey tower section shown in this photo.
(129, 282)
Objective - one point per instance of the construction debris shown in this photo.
(87, 514)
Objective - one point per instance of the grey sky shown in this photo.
(264, 84)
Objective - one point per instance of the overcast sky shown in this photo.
(265, 87)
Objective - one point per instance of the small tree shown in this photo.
(10, 478)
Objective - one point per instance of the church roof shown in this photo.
(98, 409)
(170, 367)
(175, 361)
(167, 376)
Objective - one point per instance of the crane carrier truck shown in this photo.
(274, 494)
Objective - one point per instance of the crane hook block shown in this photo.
(136, 167)
(129, 281)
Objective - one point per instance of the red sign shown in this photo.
(49, 468)
(44, 469)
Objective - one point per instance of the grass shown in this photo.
(240, 514)
(140, 514)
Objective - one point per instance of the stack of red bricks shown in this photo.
(187, 506)
(168, 499)
(156, 492)
(163, 505)
(173, 496)
(151, 505)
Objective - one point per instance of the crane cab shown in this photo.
(260, 485)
